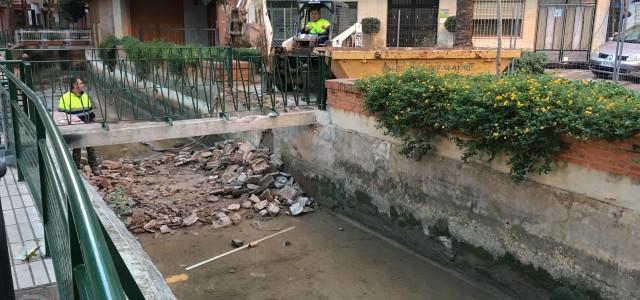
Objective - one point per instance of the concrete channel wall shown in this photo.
(575, 229)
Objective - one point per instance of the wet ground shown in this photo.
(326, 258)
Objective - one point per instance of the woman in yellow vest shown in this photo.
(76, 102)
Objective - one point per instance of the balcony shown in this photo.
(64, 37)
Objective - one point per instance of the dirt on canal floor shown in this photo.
(324, 257)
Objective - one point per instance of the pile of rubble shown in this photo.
(219, 186)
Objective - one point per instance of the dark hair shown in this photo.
(315, 8)
(73, 81)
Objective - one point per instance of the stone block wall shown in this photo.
(575, 230)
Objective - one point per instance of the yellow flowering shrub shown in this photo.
(523, 116)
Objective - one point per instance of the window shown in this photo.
(485, 23)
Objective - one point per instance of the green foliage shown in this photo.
(73, 10)
(521, 116)
(145, 56)
(180, 58)
(530, 63)
(370, 25)
(107, 51)
(117, 199)
(450, 24)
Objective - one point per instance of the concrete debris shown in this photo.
(266, 195)
(254, 179)
(273, 209)
(222, 221)
(288, 192)
(174, 191)
(252, 186)
(165, 229)
(266, 181)
(261, 205)
(246, 147)
(276, 161)
(212, 165)
(190, 220)
(236, 219)
(237, 243)
(259, 166)
(151, 225)
(111, 165)
(254, 199)
(87, 170)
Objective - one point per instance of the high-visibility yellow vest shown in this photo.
(316, 27)
(72, 104)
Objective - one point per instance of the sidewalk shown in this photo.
(34, 279)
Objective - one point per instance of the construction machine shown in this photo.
(303, 58)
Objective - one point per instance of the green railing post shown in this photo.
(229, 67)
(26, 76)
(320, 82)
(13, 99)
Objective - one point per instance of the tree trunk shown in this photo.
(464, 24)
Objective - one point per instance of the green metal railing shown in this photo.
(166, 84)
(86, 263)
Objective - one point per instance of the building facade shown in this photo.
(566, 30)
(180, 21)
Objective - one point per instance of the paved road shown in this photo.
(577, 74)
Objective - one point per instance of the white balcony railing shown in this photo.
(352, 37)
(47, 37)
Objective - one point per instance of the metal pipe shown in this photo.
(620, 42)
(499, 53)
(398, 34)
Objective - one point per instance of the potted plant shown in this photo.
(370, 26)
(450, 24)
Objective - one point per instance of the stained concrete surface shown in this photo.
(322, 262)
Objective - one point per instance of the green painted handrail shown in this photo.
(97, 262)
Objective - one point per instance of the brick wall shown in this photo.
(342, 94)
(619, 158)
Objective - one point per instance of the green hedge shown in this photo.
(522, 116)
(145, 55)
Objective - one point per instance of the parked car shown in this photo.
(603, 60)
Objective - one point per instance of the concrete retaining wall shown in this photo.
(578, 226)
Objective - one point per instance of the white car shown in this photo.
(603, 60)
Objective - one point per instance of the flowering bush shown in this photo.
(520, 115)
